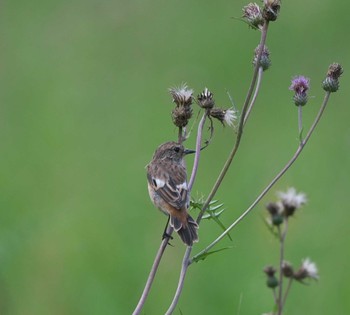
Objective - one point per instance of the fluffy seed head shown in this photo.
(291, 200)
(227, 116)
(308, 269)
(182, 95)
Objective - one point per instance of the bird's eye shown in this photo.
(176, 149)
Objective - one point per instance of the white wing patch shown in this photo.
(182, 186)
(158, 182)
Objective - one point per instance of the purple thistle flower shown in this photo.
(300, 86)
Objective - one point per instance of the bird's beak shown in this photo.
(188, 151)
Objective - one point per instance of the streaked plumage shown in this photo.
(167, 186)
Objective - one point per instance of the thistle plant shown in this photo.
(279, 214)
(259, 19)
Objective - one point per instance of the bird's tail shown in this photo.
(187, 231)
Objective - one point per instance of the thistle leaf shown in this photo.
(204, 255)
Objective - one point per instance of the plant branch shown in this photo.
(274, 180)
(287, 291)
(198, 151)
(256, 92)
(153, 271)
(181, 282)
(280, 283)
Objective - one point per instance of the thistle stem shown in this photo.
(181, 282)
(287, 291)
(300, 121)
(280, 284)
(256, 92)
(198, 151)
(153, 271)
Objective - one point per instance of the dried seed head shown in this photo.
(287, 269)
(271, 9)
(270, 271)
(273, 208)
(182, 95)
(253, 16)
(181, 115)
(308, 269)
(331, 82)
(291, 201)
(335, 70)
(205, 99)
(227, 116)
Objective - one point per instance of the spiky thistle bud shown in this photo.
(265, 61)
(205, 99)
(271, 9)
(276, 211)
(331, 82)
(182, 97)
(300, 85)
(271, 281)
(227, 116)
(252, 16)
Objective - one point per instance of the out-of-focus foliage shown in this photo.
(83, 105)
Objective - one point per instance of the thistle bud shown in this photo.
(331, 82)
(271, 281)
(253, 16)
(270, 271)
(265, 61)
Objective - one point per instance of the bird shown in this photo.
(168, 189)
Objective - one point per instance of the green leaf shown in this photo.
(212, 212)
(204, 255)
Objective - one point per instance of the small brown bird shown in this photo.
(167, 187)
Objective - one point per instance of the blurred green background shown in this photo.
(84, 103)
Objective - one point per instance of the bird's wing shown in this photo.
(172, 188)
